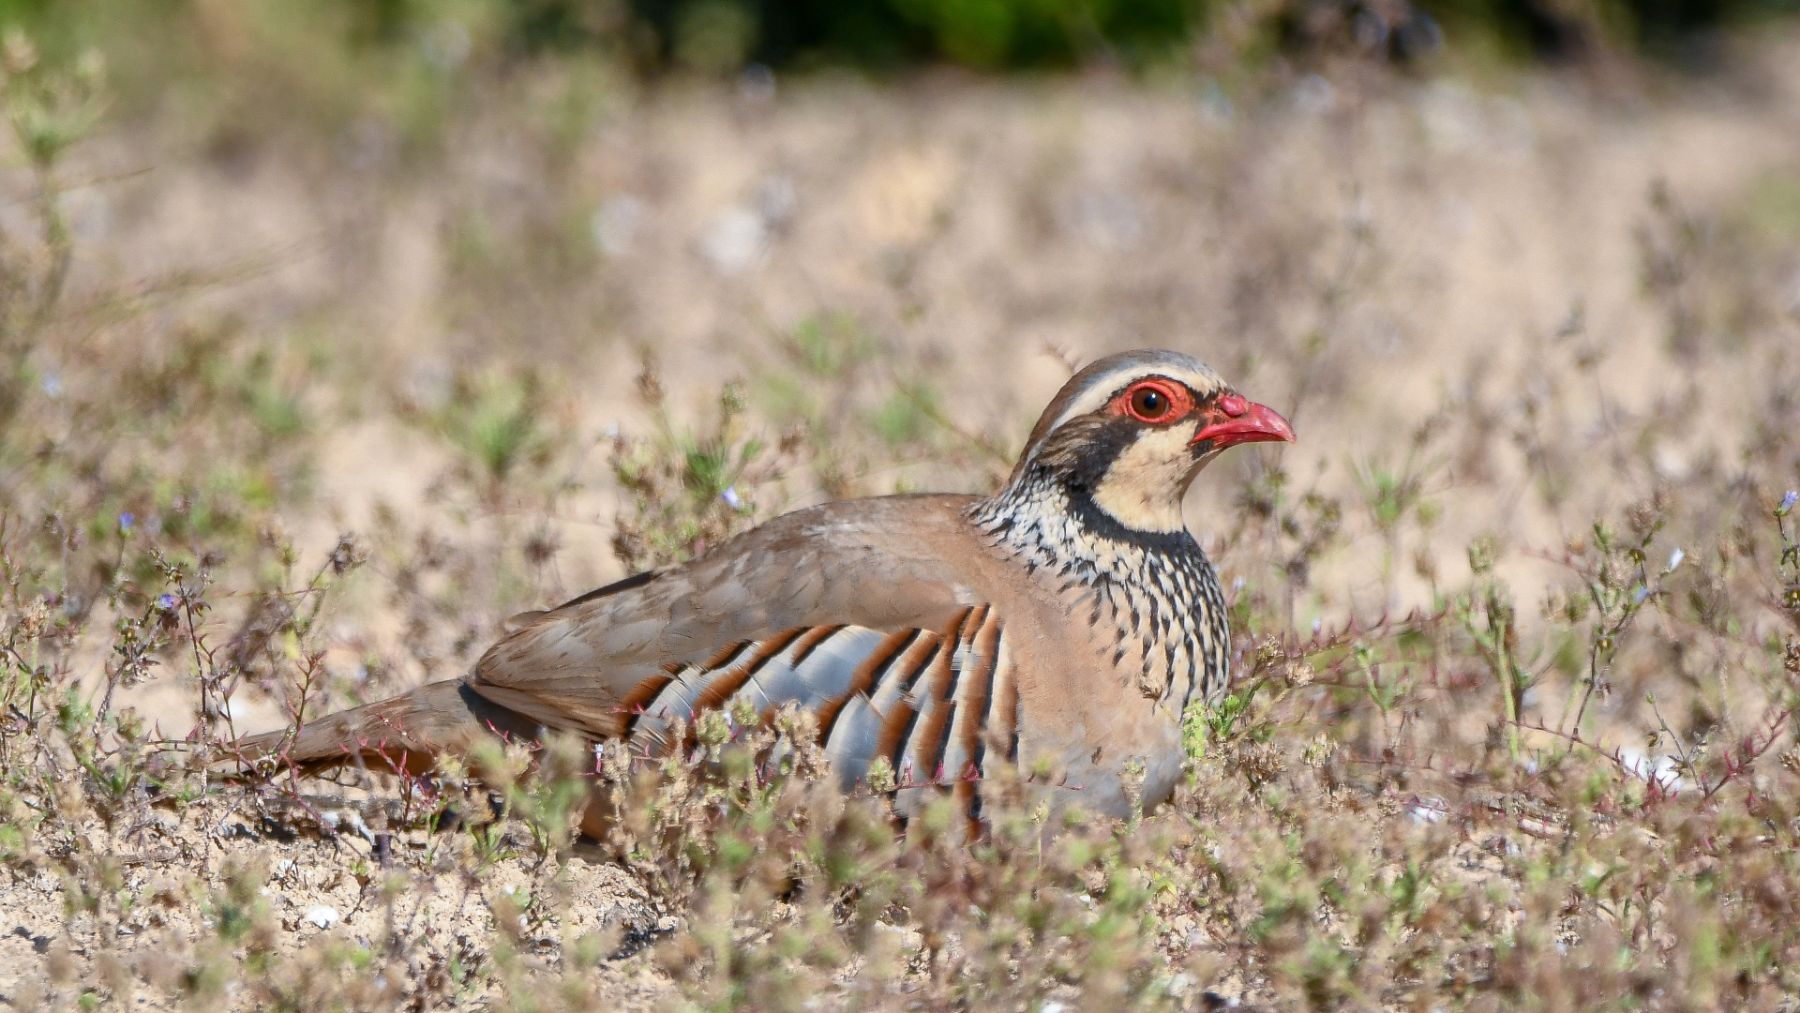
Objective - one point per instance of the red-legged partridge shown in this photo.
(1061, 624)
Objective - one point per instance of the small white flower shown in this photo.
(322, 915)
(1662, 770)
(1675, 559)
(735, 240)
(616, 225)
(1428, 809)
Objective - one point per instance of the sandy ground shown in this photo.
(970, 226)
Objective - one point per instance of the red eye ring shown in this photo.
(1154, 402)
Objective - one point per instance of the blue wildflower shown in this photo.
(166, 602)
(1787, 503)
(126, 520)
(731, 498)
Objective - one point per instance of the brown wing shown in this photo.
(818, 607)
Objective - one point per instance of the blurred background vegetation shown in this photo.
(884, 36)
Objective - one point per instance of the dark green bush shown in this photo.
(723, 36)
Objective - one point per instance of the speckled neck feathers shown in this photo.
(1156, 589)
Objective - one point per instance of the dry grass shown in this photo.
(294, 413)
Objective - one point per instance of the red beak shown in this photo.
(1234, 419)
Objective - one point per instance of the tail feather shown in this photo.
(405, 734)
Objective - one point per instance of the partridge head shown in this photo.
(1061, 624)
(1126, 436)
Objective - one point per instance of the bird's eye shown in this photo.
(1149, 403)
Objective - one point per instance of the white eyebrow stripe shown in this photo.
(1104, 387)
(1090, 401)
